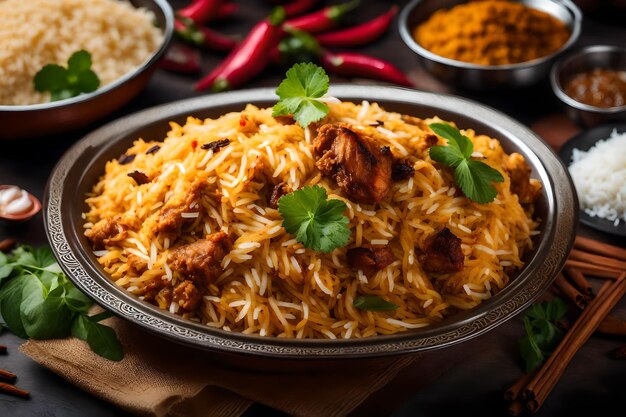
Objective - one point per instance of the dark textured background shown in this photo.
(468, 379)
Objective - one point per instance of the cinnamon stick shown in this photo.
(514, 390)
(7, 376)
(618, 353)
(597, 259)
(542, 384)
(571, 292)
(516, 408)
(592, 269)
(6, 244)
(13, 390)
(580, 280)
(600, 248)
(612, 326)
(3, 349)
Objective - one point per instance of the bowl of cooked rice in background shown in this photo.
(207, 192)
(489, 45)
(124, 38)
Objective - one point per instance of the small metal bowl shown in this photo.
(486, 77)
(29, 121)
(586, 59)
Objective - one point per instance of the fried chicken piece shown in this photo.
(369, 257)
(106, 231)
(201, 260)
(443, 253)
(170, 219)
(186, 295)
(527, 189)
(361, 169)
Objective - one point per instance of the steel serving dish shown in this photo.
(80, 167)
(61, 116)
(480, 77)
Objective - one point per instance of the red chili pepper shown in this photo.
(351, 64)
(324, 19)
(249, 58)
(203, 36)
(182, 59)
(200, 11)
(297, 7)
(361, 34)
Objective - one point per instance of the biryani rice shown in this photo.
(35, 33)
(271, 285)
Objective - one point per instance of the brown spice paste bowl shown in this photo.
(586, 59)
(82, 165)
(486, 77)
(20, 122)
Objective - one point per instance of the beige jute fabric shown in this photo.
(161, 378)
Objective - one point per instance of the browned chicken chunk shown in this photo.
(369, 257)
(106, 231)
(201, 260)
(186, 295)
(170, 219)
(526, 189)
(443, 253)
(361, 169)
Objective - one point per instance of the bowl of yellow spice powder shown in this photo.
(490, 44)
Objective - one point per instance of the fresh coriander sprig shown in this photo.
(37, 301)
(542, 334)
(316, 222)
(474, 177)
(68, 82)
(300, 92)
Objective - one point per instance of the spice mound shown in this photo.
(492, 32)
(599, 88)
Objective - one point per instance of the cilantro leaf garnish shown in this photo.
(68, 82)
(316, 222)
(474, 177)
(373, 303)
(542, 334)
(300, 92)
(37, 301)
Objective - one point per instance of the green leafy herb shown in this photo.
(373, 303)
(474, 177)
(542, 334)
(300, 93)
(315, 221)
(68, 82)
(37, 301)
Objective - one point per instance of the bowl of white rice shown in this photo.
(125, 39)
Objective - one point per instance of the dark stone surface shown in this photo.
(469, 378)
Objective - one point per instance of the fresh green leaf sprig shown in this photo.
(37, 301)
(474, 177)
(300, 94)
(314, 220)
(373, 303)
(68, 82)
(542, 334)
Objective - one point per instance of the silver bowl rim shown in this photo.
(557, 88)
(168, 32)
(79, 263)
(405, 34)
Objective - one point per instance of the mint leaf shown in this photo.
(299, 93)
(63, 83)
(10, 301)
(314, 221)
(373, 303)
(44, 315)
(542, 334)
(475, 178)
(100, 338)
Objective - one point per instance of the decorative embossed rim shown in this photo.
(560, 216)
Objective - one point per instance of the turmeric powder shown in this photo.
(492, 32)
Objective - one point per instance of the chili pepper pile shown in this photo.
(295, 31)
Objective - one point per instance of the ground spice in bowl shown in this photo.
(492, 32)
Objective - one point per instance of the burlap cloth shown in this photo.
(161, 378)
